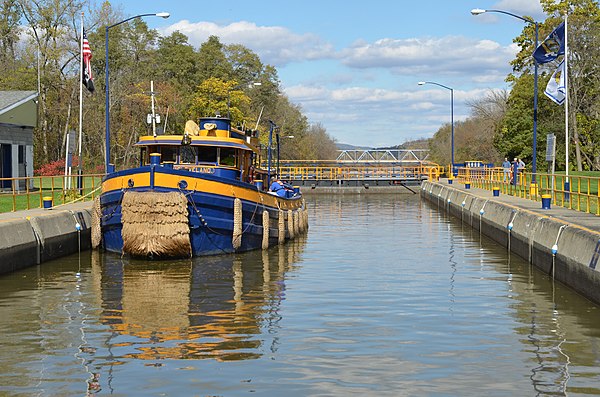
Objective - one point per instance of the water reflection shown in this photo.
(385, 296)
(217, 307)
(559, 359)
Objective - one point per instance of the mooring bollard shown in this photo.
(47, 202)
(450, 180)
(496, 191)
(467, 185)
(546, 200)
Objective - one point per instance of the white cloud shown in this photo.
(429, 55)
(381, 117)
(521, 7)
(274, 44)
(366, 94)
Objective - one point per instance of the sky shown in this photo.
(354, 66)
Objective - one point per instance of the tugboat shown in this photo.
(200, 193)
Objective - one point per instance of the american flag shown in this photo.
(87, 79)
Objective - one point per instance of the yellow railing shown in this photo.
(291, 173)
(581, 194)
(30, 192)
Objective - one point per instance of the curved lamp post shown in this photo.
(478, 11)
(107, 91)
(451, 114)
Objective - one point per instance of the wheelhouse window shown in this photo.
(144, 156)
(227, 157)
(168, 153)
(187, 155)
(207, 154)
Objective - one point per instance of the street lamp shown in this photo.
(451, 115)
(107, 110)
(478, 11)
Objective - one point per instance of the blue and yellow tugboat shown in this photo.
(200, 193)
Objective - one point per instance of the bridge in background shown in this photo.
(382, 155)
(361, 168)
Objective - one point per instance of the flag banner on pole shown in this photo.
(552, 47)
(555, 90)
(87, 79)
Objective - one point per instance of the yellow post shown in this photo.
(533, 190)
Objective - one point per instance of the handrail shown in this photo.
(25, 193)
(581, 193)
(347, 172)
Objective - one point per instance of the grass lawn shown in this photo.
(51, 186)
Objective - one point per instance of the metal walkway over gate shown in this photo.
(382, 155)
(361, 167)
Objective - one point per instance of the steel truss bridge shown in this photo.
(382, 155)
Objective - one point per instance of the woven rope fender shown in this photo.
(155, 224)
(281, 227)
(265, 219)
(296, 223)
(236, 240)
(300, 220)
(96, 223)
(290, 218)
(304, 216)
(305, 213)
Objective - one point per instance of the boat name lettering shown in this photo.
(205, 170)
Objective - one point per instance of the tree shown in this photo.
(212, 61)
(10, 13)
(51, 29)
(217, 97)
(187, 83)
(177, 61)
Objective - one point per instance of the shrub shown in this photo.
(55, 168)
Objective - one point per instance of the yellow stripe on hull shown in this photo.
(169, 181)
(139, 180)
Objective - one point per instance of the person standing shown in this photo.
(506, 169)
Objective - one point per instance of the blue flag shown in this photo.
(552, 47)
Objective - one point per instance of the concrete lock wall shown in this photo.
(531, 236)
(32, 241)
(18, 245)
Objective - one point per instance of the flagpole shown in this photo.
(566, 75)
(79, 172)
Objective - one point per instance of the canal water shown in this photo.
(385, 296)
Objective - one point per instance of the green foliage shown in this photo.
(212, 61)
(188, 83)
(214, 96)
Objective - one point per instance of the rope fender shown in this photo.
(265, 219)
(237, 224)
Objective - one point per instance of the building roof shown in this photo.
(11, 99)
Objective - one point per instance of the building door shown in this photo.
(6, 164)
(22, 167)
